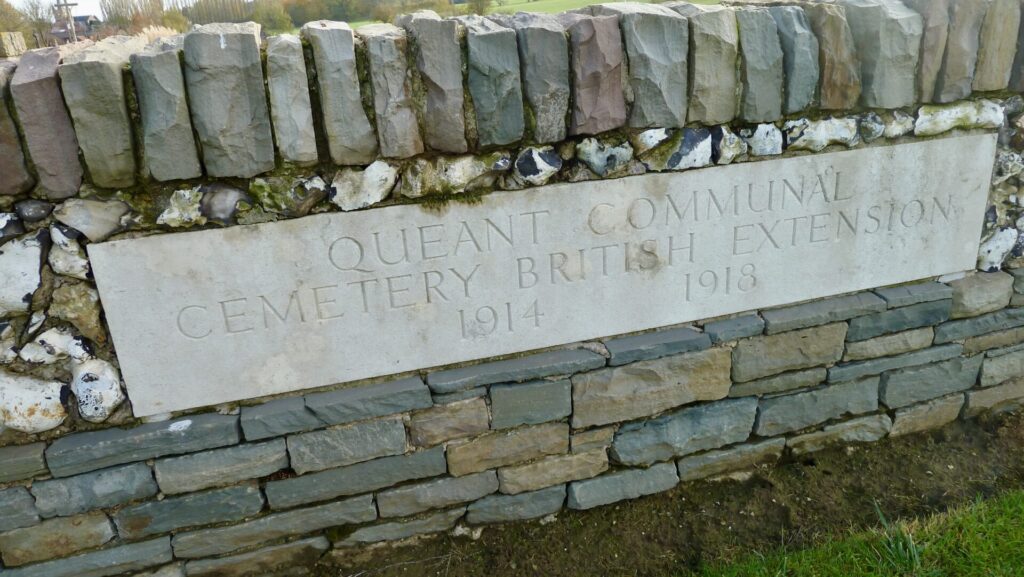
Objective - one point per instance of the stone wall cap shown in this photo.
(326, 25)
(112, 50)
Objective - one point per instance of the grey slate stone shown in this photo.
(981, 293)
(888, 38)
(346, 445)
(90, 451)
(544, 62)
(1002, 365)
(906, 295)
(540, 365)
(459, 396)
(856, 370)
(97, 490)
(354, 479)
(655, 345)
(862, 430)
(227, 98)
(998, 46)
(530, 403)
(102, 563)
(171, 514)
(999, 398)
(437, 494)
(494, 82)
(685, 431)
(961, 57)
(780, 383)
(734, 328)
(290, 107)
(294, 558)
(55, 538)
(22, 462)
(714, 42)
(347, 405)
(657, 45)
(779, 415)
(767, 355)
(398, 129)
(220, 540)
(1018, 280)
(17, 178)
(169, 146)
(439, 63)
(727, 460)
(596, 61)
(503, 508)
(840, 79)
(350, 136)
(935, 14)
(908, 386)
(761, 65)
(434, 523)
(17, 509)
(964, 328)
(278, 417)
(800, 57)
(821, 312)
(220, 467)
(899, 319)
(622, 485)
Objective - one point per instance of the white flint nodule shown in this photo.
(30, 405)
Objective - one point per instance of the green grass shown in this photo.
(985, 539)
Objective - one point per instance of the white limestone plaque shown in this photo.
(213, 316)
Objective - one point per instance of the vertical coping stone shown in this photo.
(350, 136)
(397, 125)
(935, 14)
(93, 83)
(439, 64)
(1017, 68)
(840, 66)
(290, 108)
(169, 145)
(998, 45)
(45, 122)
(714, 50)
(544, 64)
(888, 38)
(800, 57)
(596, 59)
(12, 160)
(224, 76)
(957, 74)
(494, 82)
(761, 65)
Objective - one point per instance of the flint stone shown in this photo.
(657, 43)
(821, 312)
(216, 506)
(596, 58)
(837, 55)
(290, 107)
(447, 422)
(1002, 368)
(769, 355)
(437, 494)
(648, 387)
(397, 126)
(20, 261)
(354, 479)
(994, 340)
(83, 452)
(93, 84)
(552, 471)
(453, 174)
(687, 148)
(353, 404)
(816, 135)
(49, 135)
(502, 508)
(761, 68)
(715, 43)
(530, 403)
(290, 557)
(439, 63)
(220, 540)
(888, 39)
(224, 76)
(981, 293)
(685, 431)
(800, 57)
(863, 430)
(958, 65)
(779, 415)
(972, 327)
(115, 561)
(935, 15)
(435, 523)
(98, 490)
(622, 485)
(927, 416)
(899, 319)
(353, 188)
(537, 366)
(1007, 396)
(33, 210)
(894, 344)
(350, 136)
(17, 509)
(780, 383)
(220, 467)
(17, 179)
(346, 445)
(55, 538)
(714, 463)
(901, 296)
(503, 448)
(858, 369)
(998, 45)
(909, 386)
(22, 462)
(932, 120)
(763, 140)
(654, 345)
(536, 165)
(735, 328)
(726, 146)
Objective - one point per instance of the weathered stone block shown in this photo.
(906, 295)
(600, 438)
(596, 61)
(622, 485)
(735, 328)
(220, 540)
(83, 452)
(981, 293)
(714, 43)
(504, 448)
(899, 319)
(530, 403)
(447, 422)
(780, 383)
(737, 458)
(761, 65)
(994, 340)
(17, 178)
(55, 538)
(278, 417)
(908, 386)
(821, 312)
(435, 523)
(927, 416)
(552, 471)
(657, 44)
(961, 57)
(980, 325)
(494, 82)
(502, 508)
(228, 101)
(999, 369)
(888, 39)
(290, 107)
(655, 345)
(895, 344)
(346, 445)
(1006, 396)
(439, 63)
(350, 136)
(216, 506)
(98, 490)
(437, 494)
(355, 479)
(114, 561)
(770, 355)
(856, 370)
(544, 62)
(862, 430)
(22, 462)
(779, 415)
(290, 557)
(17, 509)
(649, 387)
(800, 57)
(397, 126)
(353, 404)
(840, 66)
(12, 44)
(540, 365)
(998, 45)
(935, 16)
(685, 431)
(220, 467)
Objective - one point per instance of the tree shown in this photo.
(302, 11)
(11, 20)
(479, 6)
(271, 15)
(175, 20)
(39, 18)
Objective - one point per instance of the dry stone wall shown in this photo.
(222, 128)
